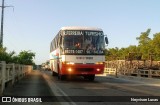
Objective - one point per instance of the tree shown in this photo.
(112, 53)
(155, 48)
(4, 56)
(144, 38)
(26, 57)
(144, 43)
(146, 46)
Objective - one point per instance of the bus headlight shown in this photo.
(69, 69)
(98, 69)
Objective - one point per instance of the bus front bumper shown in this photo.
(82, 69)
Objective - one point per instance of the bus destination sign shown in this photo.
(70, 32)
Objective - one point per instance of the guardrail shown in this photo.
(139, 68)
(12, 73)
(146, 73)
(132, 72)
(110, 71)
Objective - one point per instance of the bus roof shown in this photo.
(81, 28)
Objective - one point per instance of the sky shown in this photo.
(32, 24)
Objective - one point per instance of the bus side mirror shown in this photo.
(106, 40)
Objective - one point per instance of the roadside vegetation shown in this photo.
(147, 48)
(24, 57)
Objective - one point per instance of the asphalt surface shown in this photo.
(42, 83)
(102, 89)
(32, 85)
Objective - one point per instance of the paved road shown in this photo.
(102, 86)
(32, 85)
(42, 83)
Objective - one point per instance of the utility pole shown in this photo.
(2, 16)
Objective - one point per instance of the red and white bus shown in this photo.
(78, 51)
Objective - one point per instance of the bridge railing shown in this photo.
(12, 73)
(138, 72)
(133, 68)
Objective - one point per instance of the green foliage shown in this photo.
(112, 53)
(155, 43)
(24, 57)
(146, 47)
(4, 56)
(144, 38)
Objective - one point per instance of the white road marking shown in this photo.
(57, 91)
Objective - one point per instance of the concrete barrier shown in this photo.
(140, 75)
(139, 68)
(110, 71)
(12, 73)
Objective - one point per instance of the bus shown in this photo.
(78, 51)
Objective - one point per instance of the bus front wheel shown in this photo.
(61, 77)
(91, 77)
(54, 73)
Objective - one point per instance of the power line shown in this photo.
(2, 17)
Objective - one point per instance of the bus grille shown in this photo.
(85, 69)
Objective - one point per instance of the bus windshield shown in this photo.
(90, 44)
